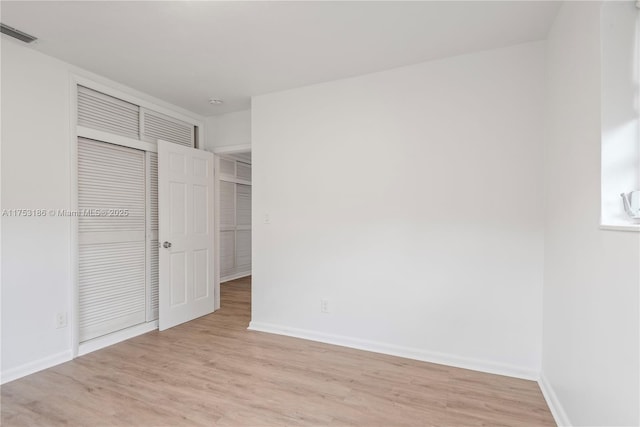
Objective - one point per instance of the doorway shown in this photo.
(234, 198)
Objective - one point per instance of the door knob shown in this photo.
(166, 245)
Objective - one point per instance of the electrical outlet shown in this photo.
(267, 219)
(61, 320)
(324, 305)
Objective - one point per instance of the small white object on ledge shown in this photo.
(631, 202)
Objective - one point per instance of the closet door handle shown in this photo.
(166, 245)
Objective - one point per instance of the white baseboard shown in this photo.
(394, 350)
(116, 337)
(235, 276)
(558, 412)
(35, 366)
(86, 347)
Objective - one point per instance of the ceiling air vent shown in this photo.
(16, 34)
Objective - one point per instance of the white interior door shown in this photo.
(185, 208)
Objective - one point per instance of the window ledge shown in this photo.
(620, 227)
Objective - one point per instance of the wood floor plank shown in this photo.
(213, 372)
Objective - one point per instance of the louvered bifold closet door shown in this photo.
(157, 126)
(243, 227)
(227, 228)
(112, 247)
(153, 254)
(243, 206)
(108, 114)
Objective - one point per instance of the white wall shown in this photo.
(591, 317)
(36, 174)
(412, 200)
(229, 130)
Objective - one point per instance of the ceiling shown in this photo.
(186, 52)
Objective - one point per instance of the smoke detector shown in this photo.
(215, 101)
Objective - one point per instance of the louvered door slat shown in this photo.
(243, 250)
(227, 252)
(153, 190)
(117, 123)
(115, 183)
(154, 279)
(243, 204)
(227, 207)
(111, 298)
(111, 273)
(152, 239)
(106, 113)
(157, 126)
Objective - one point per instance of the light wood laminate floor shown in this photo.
(213, 372)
